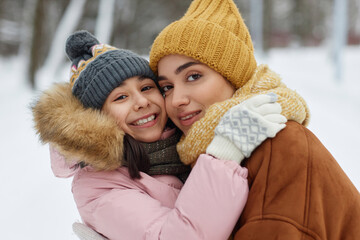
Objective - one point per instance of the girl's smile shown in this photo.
(138, 108)
(147, 121)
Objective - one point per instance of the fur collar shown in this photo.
(77, 132)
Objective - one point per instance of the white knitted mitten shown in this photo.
(245, 126)
(85, 233)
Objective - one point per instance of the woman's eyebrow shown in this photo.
(180, 69)
(161, 78)
(184, 66)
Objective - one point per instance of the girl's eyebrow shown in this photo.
(142, 77)
(180, 69)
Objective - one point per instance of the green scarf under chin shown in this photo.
(164, 159)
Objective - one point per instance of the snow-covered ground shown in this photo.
(36, 205)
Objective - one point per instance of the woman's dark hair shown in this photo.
(135, 157)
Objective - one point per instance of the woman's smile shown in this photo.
(187, 119)
(190, 88)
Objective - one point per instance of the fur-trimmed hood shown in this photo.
(77, 132)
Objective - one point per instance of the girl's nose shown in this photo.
(140, 102)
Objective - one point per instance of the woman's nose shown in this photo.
(179, 97)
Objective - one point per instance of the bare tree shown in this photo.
(66, 26)
(256, 24)
(24, 51)
(36, 41)
(104, 20)
(339, 35)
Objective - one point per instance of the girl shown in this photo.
(135, 190)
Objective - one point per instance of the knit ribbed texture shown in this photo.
(102, 75)
(224, 149)
(97, 69)
(213, 32)
(263, 81)
(164, 159)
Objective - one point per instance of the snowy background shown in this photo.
(36, 205)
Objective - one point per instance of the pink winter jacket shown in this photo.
(118, 207)
(207, 206)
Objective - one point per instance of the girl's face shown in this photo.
(138, 108)
(190, 87)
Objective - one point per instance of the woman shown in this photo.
(112, 92)
(297, 189)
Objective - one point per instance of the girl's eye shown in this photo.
(193, 77)
(120, 98)
(146, 88)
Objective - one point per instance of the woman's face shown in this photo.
(138, 108)
(190, 87)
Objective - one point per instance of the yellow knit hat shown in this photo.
(213, 32)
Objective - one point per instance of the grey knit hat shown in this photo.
(97, 69)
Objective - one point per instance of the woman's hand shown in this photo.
(245, 126)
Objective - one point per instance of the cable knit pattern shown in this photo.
(212, 32)
(264, 80)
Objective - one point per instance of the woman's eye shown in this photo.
(120, 98)
(166, 88)
(193, 77)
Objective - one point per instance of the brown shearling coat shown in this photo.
(298, 191)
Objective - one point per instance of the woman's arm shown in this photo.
(245, 126)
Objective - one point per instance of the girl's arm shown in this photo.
(207, 207)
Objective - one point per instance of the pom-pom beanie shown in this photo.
(97, 69)
(212, 32)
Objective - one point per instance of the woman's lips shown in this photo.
(189, 118)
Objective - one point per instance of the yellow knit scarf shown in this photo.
(263, 81)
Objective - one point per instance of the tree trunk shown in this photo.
(54, 60)
(256, 23)
(267, 25)
(104, 21)
(339, 35)
(36, 41)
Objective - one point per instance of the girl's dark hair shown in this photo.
(135, 157)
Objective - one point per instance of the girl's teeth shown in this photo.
(143, 121)
(188, 116)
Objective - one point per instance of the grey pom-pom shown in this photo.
(79, 44)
